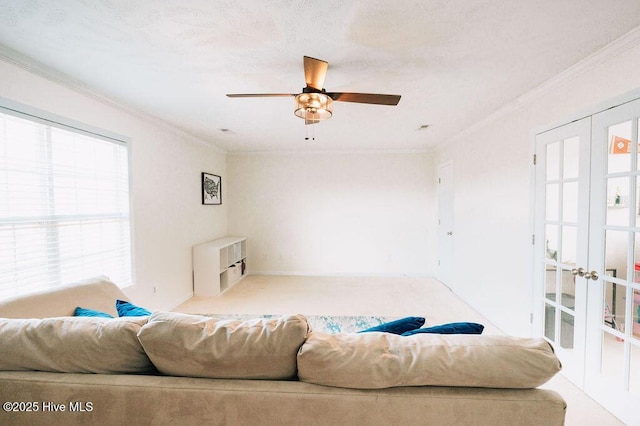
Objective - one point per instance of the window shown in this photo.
(64, 203)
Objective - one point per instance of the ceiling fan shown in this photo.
(315, 103)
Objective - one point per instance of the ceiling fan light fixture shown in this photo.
(315, 104)
(313, 107)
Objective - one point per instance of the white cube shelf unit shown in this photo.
(218, 265)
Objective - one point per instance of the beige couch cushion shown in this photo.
(132, 399)
(73, 345)
(94, 293)
(382, 360)
(199, 346)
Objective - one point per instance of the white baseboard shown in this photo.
(182, 300)
(338, 274)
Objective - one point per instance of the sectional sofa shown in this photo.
(171, 368)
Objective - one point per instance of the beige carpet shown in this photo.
(389, 297)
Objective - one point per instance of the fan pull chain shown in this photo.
(309, 123)
(313, 132)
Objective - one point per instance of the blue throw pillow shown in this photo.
(397, 326)
(84, 312)
(451, 328)
(128, 309)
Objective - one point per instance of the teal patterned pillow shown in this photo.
(450, 328)
(84, 312)
(398, 326)
(128, 309)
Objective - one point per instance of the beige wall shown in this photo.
(492, 180)
(168, 217)
(344, 213)
(335, 213)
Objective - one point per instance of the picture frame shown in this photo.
(211, 189)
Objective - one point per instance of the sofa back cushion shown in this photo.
(199, 346)
(382, 360)
(73, 345)
(96, 293)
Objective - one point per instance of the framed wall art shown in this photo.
(211, 189)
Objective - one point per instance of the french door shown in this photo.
(588, 267)
(562, 219)
(612, 373)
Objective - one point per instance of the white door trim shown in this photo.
(446, 241)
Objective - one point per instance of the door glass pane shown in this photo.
(550, 282)
(638, 150)
(550, 322)
(568, 294)
(617, 201)
(612, 367)
(551, 242)
(637, 210)
(553, 161)
(636, 257)
(634, 374)
(566, 330)
(636, 314)
(619, 148)
(553, 194)
(614, 306)
(569, 244)
(570, 202)
(571, 157)
(615, 253)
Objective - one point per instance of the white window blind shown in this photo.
(64, 205)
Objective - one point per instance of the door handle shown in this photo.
(579, 272)
(450, 233)
(591, 275)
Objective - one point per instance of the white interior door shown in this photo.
(445, 224)
(561, 241)
(613, 325)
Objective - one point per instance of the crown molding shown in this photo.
(591, 62)
(320, 152)
(21, 61)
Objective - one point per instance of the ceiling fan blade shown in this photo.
(365, 98)
(315, 71)
(259, 95)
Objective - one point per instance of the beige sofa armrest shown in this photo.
(95, 293)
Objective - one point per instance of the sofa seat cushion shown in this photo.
(184, 401)
(73, 345)
(382, 360)
(199, 346)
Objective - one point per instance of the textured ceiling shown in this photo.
(454, 61)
